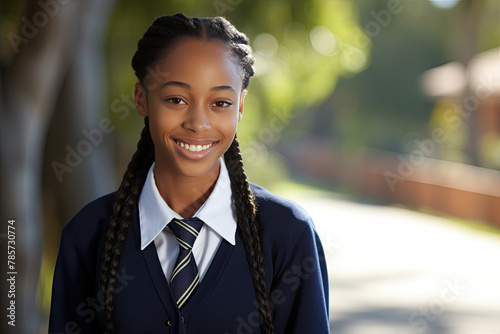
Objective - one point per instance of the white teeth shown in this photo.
(194, 148)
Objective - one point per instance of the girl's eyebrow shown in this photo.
(217, 88)
(187, 86)
(175, 83)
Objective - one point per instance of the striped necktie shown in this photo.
(185, 277)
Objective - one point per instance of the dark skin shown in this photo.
(194, 110)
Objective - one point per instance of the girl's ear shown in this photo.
(242, 102)
(140, 99)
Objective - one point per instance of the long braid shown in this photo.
(120, 219)
(249, 230)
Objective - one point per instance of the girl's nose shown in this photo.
(197, 119)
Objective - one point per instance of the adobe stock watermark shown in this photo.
(420, 319)
(94, 137)
(31, 26)
(89, 308)
(223, 6)
(455, 118)
(383, 18)
(291, 281)
(256, 150)
(330, 246)
(353, 58)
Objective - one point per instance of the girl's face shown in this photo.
(194, 101)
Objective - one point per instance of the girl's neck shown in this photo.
(185, 195)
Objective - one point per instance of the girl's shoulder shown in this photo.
(89, 222)
(288, 234)
(278, 213)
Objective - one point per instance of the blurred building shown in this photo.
(472, 93)
(453, 170)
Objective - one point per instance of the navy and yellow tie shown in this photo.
(185, 277)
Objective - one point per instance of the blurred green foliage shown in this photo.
(384, 107)
(302, 48)
(333, 68)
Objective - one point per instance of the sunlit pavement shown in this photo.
(396, 271)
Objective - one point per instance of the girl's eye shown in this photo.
(222, 104)
(176, 100)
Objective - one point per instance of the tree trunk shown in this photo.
(78, 123)
(48, 51)
(466, 49)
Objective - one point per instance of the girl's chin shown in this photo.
(199, 172)
(190, 168)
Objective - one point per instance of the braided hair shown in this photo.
(157, 40)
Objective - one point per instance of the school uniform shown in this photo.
(224, 301)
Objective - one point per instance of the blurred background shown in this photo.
(380, 117)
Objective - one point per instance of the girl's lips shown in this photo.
(195, 151)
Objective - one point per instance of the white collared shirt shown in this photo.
(217, 213)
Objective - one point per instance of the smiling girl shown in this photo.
(187, 244)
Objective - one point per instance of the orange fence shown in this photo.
(464, 191)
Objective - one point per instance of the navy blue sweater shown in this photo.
(225, 300)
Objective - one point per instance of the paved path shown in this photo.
(394, 271)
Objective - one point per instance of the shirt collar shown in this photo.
(217, 212)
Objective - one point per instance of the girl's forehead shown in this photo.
(187, 49)
(196, 60)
